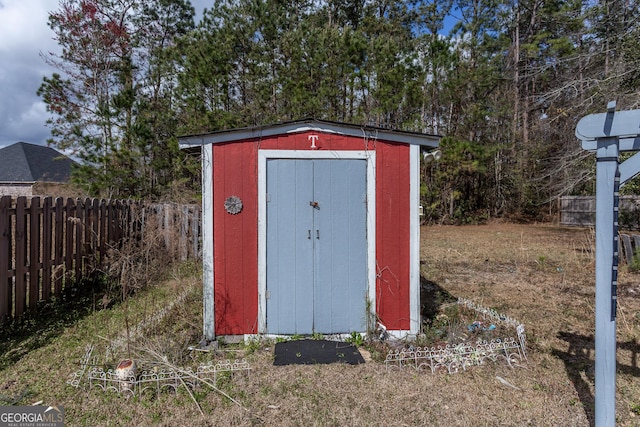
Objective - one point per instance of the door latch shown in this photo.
(314, 205)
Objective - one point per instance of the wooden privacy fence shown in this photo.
(629, 248)
(581, 211)
(46, 244)
(180, 226)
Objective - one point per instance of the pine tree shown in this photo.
(112, 83)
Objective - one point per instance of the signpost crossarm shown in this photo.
(629, 168)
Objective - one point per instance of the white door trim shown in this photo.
(208, 304)
(414, 251)
(263, 156)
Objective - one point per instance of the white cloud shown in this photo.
(23, 35)
(23, 23)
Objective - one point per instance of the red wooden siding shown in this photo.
(235, 263)
(325, 141)
(393, 235)
(235, 236)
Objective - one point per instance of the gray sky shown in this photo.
(24, 34)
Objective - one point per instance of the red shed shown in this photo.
(310, 227)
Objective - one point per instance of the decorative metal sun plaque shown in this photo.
(233, 205)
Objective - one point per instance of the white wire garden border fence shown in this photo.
(453, 358)
(153, 378)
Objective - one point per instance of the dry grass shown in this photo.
(541, 275)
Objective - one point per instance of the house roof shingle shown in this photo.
(24, 162)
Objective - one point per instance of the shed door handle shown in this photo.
(317, 234)
(309, 235)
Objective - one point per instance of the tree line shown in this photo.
(503, 81)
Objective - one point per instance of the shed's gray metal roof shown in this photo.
(24, 162)
(190, 142)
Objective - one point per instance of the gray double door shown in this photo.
(316, 246)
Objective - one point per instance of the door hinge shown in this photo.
(268, 197)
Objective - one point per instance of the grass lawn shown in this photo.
(541, 275)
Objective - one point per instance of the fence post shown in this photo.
(104, 226)
(88, 228)
(195, 233)
(68, 228)
(20, 257)
(34, 252)
(79, 241)
(118, 225)
(59, 246)
(168, 217)
(5, 233)
(95, 229)
(111, 226)
(47, 231)
(184, 233)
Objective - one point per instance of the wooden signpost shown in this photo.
(608, 134)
